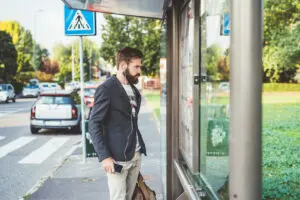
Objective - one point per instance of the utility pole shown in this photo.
(91, 64)
(82, 101)
(73, 72)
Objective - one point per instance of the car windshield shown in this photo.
(3, 87)
(55, 100)
(31, 86)
(89, 91)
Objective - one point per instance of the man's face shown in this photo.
(133, 70)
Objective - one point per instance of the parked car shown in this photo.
(71, 86)
(31, 90)
(34, 81)
(49, 87)
(56, 110)
(89, 92)
(224, 86)
(7, 93)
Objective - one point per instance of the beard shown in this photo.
(130, 78)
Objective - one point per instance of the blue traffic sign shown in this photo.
(79, 22)
(226, 24)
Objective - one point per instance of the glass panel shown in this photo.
(186, 118)
(214, 97)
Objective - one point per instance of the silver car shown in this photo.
(7, 93)
(31, 90)
(55, 110)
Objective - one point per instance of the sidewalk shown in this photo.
(75, 180)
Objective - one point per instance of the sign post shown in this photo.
(80, 23)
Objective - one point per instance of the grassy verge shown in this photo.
(281, 144)
(281, 150)
(281, 87)
(153, 97)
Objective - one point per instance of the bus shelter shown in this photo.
(213, 120)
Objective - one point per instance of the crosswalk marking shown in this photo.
(2, 137)
(14, 145)
(41, 154)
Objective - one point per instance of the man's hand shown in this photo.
(108, 165)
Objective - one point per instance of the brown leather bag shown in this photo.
(142, 191)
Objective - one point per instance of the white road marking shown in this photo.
(6, 112)
(41, 154)
(2, 137)
(14, 145)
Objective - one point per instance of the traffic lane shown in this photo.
(21, 105)
(25, 158)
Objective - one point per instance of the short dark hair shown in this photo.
(126, 54)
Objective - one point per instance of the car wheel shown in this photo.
(34, 130)
(7, 100)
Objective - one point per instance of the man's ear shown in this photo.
(123, 65)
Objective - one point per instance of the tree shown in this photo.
(49, 67)
(63, 56)
(281, 33)
(8, 57)
(223, 67)
(42, 54)
(143, 34)
(212, 58)
(22, 39)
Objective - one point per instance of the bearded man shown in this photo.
(113, 125)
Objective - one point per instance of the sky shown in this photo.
(44, 16)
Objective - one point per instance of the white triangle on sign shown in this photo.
(79, 23)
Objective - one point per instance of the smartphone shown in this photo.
(118, 168)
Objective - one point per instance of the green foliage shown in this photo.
(41, 55)
(143, 34)
(281, 87)
(8, 57)
(212, 57)
(63, 55)
(22, 40)
(281, 40)
(281, 172)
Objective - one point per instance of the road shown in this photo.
(26, 158)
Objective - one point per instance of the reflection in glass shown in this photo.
(214, 98)
(186, 131)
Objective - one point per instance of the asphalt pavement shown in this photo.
(27, 160)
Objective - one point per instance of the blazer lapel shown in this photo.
(138, 97)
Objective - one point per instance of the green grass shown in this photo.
(153, 97)
(281, 151)
(281, 144)
(281, 87)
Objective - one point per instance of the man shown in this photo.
(114, 128)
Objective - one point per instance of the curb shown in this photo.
(51, 172)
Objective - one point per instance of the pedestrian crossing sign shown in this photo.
(79, 22)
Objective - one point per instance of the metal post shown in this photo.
(73, 71)
(245, 99)
(91, 65)
(82, 101)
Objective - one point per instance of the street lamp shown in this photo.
(34, 41)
